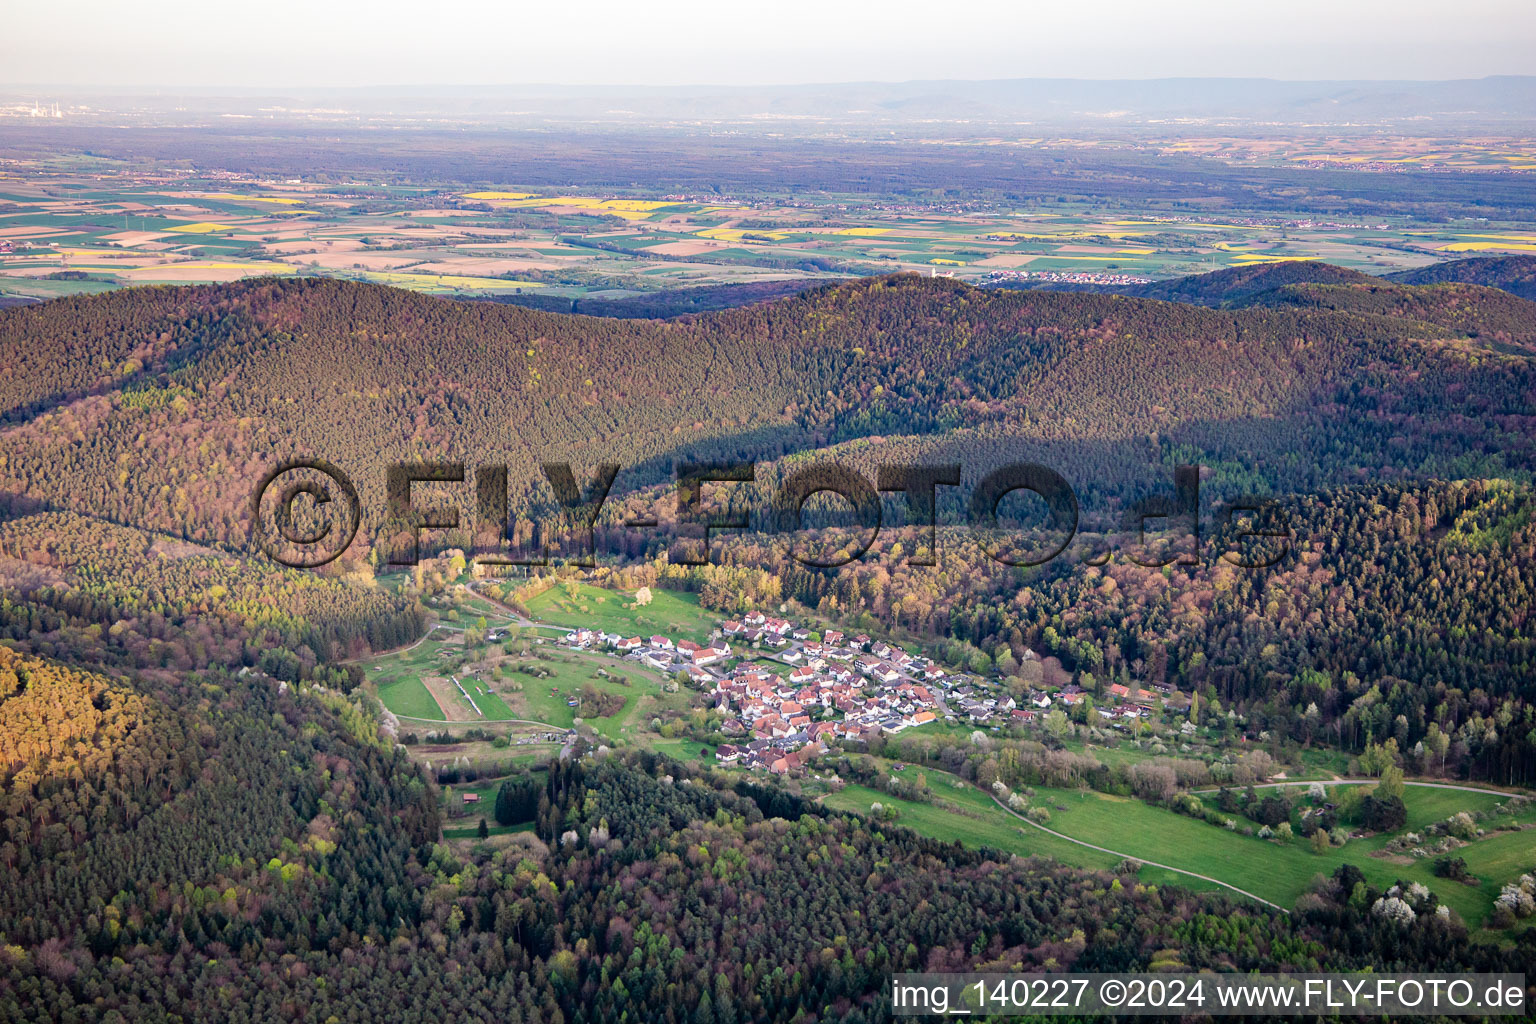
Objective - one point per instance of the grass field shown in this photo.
(404, 682)
(991, 828)
(407, 696)
(1274, 870)
(672, 613)
(491, 828)
(545, 700)
(464, 819)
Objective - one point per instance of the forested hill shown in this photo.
(220, 382)
(1514, 274)
(1234, 286)
(1238, 286)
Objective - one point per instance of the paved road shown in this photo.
(1139, 860)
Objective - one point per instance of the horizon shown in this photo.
(175, 44)
(204, 88)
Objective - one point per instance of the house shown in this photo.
(832, 637)
(628, 644)
(790, 656)
(728, 753)
(661, 643)
(471, 798)
(709, 655)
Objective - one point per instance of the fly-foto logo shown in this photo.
(307, 512)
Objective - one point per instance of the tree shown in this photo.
(643, 597)
(517, 801)
(483, 830)
(1057, 725)
(1391, 784)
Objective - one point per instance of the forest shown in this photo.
(650, 890)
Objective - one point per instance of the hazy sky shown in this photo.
(316, 42)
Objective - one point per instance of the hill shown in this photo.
(1237, 286)
(1514, 274)
(662, 304)
(223, 381)
(1466, 309)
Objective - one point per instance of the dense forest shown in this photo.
(1514, 274)
(1396, 611)
(256, 867)
(97, 593)
(223, 382)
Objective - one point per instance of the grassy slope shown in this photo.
(1276, 871)
(672, 613)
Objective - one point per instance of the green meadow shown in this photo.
(672, 613)
(1275, 870)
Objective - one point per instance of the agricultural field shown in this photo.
(64, 230)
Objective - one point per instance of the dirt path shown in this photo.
(1139, 860)
(1364, 782)
(478, 724)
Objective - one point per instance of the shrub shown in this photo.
(1383, 813)
(1462, 825)
(1454, 868)
(1271, 810)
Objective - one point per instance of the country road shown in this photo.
(1139, 860)
(1300, 783)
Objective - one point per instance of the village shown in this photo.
(787, 692)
